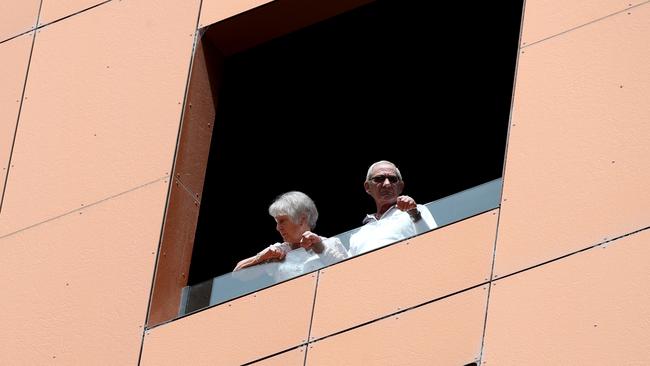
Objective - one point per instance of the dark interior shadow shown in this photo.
(310, 111)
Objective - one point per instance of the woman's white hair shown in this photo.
(295, 204)
(382, 162)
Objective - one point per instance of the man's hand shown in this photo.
(405, 203)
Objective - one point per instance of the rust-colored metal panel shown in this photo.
(546, 18)
(198, 119)
(17, 17)
(76, 288)
(102, 107)
(417, 270)
(213, 11)
(576, 170)
(175, 254)
(189, 175)
(591, 308)
(15, 57)
(295, 357)
(269, 21)
(56, 9)
(240, 331)
(445, 332)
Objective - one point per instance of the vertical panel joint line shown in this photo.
(20, 107)
(503, 184)
(144, 331)
(311, 319)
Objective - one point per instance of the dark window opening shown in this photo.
(310, 111)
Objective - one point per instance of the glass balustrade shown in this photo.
(358, 241)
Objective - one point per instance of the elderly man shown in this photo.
(397, 217)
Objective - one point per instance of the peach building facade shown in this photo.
(93, 111)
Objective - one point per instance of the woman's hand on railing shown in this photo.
(267, 254)
(311, 241)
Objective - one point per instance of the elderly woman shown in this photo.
(295, 215)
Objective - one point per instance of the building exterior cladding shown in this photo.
(91, 103)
